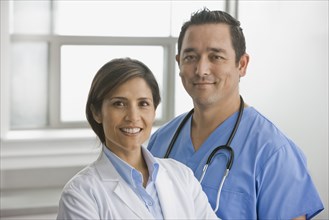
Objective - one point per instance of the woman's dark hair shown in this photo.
(111, 76)
(205, 16)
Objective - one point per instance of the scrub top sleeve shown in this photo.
(73, 205)
(285, 189)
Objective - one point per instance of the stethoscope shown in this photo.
(212, 154)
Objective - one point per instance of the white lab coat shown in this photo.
(99, 192)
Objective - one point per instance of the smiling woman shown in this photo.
(127, 115)
(105, 91)
(126, 181)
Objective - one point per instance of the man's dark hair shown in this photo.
(205, 16)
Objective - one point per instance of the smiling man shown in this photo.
(268, 176)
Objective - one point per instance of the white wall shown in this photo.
(287, 78)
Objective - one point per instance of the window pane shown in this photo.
(79, 64)
(31, 17)
(183, 102)
(182, 10)
(113, 18)
(126, 18)
(29, 85)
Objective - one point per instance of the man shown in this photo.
(268, 178)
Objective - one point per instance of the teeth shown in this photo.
(131, 130)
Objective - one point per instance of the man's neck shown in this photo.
(206, 119)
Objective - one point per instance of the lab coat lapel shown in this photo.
(116, 184)
(166, 194)
(129, 197)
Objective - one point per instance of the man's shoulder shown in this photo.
(265, 132)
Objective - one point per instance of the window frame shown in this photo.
(56, 41)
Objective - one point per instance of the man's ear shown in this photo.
(243, 64)
(96, 115)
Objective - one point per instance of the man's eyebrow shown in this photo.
(213, 49)
(217, 50)
(189, 49)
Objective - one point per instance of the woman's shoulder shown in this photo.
(83, 179)
(174, 166)
(170, 162)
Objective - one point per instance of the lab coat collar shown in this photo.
(116, 184)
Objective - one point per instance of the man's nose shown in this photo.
(202, 67)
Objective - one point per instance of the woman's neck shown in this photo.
(137, 161)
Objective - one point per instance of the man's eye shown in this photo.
(216, 57)
(189, 58)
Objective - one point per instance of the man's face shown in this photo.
(208, 69)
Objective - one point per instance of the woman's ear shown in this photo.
(177, 59)
(96, 115)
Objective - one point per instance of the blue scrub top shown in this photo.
(269, 177)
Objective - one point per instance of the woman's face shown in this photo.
(127, 116)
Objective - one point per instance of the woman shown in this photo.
(126, 181)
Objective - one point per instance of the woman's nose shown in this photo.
(132, 114)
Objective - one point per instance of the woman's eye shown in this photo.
(118, 103)
(144, 103)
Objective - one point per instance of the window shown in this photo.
(56, 47)
(72, 73)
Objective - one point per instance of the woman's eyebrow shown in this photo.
(117, 97)
(145, 98)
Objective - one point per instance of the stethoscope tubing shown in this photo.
(227, 146)
(212, 154)
(177, 132)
